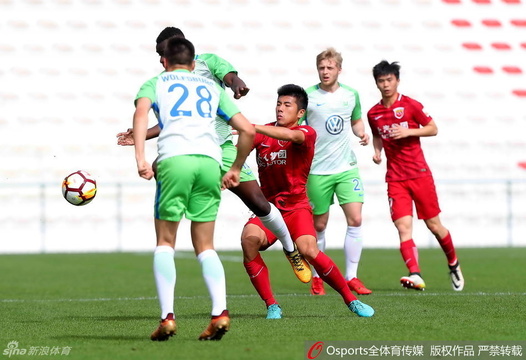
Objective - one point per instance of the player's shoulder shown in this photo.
(375, 107)
(404, 99)
(348, 88)
(308, 130)
(311, 89)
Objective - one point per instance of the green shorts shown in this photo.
(347, 186)
(229, 155)
(188, 185)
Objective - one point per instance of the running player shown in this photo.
(334, 112)
(397, 123)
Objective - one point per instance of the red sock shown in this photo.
(447, 246)
(330, 273)
(410, 255)
(258, 273)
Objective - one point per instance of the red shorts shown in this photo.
(421, 191)
(299, 222)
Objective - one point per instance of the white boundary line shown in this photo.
(147, 298)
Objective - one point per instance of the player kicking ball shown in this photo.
(284, 152)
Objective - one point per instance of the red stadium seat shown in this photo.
(519, 92)
(491, 23)
(500, 46)
(472, 46)
(512, 69)
(483, 69)
(461, 23)
(519, 22)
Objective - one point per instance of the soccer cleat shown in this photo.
(413, 281)
(361, 309)
(457, 280)
(166, 329)
(316, 287)
(299, 265)
(358, 287)
(218, 326)
(274, 312)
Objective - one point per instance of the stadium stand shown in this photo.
(70, 71)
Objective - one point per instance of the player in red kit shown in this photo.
(284, 152)
(397, 122)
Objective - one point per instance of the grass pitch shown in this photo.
(104, 306)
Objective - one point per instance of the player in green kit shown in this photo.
(334, 112)
(188, 175)
(223, 73)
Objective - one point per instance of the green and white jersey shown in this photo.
(331, 114)
(215, 68)
(186, 106)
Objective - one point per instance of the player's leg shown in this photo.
(428, 209)
(320, 190)
(302, 229)
(350, 192)
(165, 277)
(255, 238)
(250, 193)
(401, 206)
(330, 273)
(203, 206)
(167, 216)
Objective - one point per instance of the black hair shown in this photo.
(297, 92)
(179, 51)
(167, 33)
(385, 68)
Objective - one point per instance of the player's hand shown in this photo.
(377, 159)
(145, 170)
(398, 132)
(230, 180)
(125, 138)
(240, 91)
(364, 139)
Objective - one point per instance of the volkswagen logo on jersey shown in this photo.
(334, 124)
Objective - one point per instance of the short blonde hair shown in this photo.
(330, 53)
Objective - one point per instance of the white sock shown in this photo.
(353, 251)
(275, 223)
(321, 245)
(164, 274)
(214, 276)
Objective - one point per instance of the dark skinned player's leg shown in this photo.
(250, 193)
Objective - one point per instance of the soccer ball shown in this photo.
(79, 188)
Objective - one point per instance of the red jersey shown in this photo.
(405, 158)
(284, 167)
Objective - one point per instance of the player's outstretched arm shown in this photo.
(245, 143)
(282, 133)
(126, 138)
(140, 128)
(238, 86)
